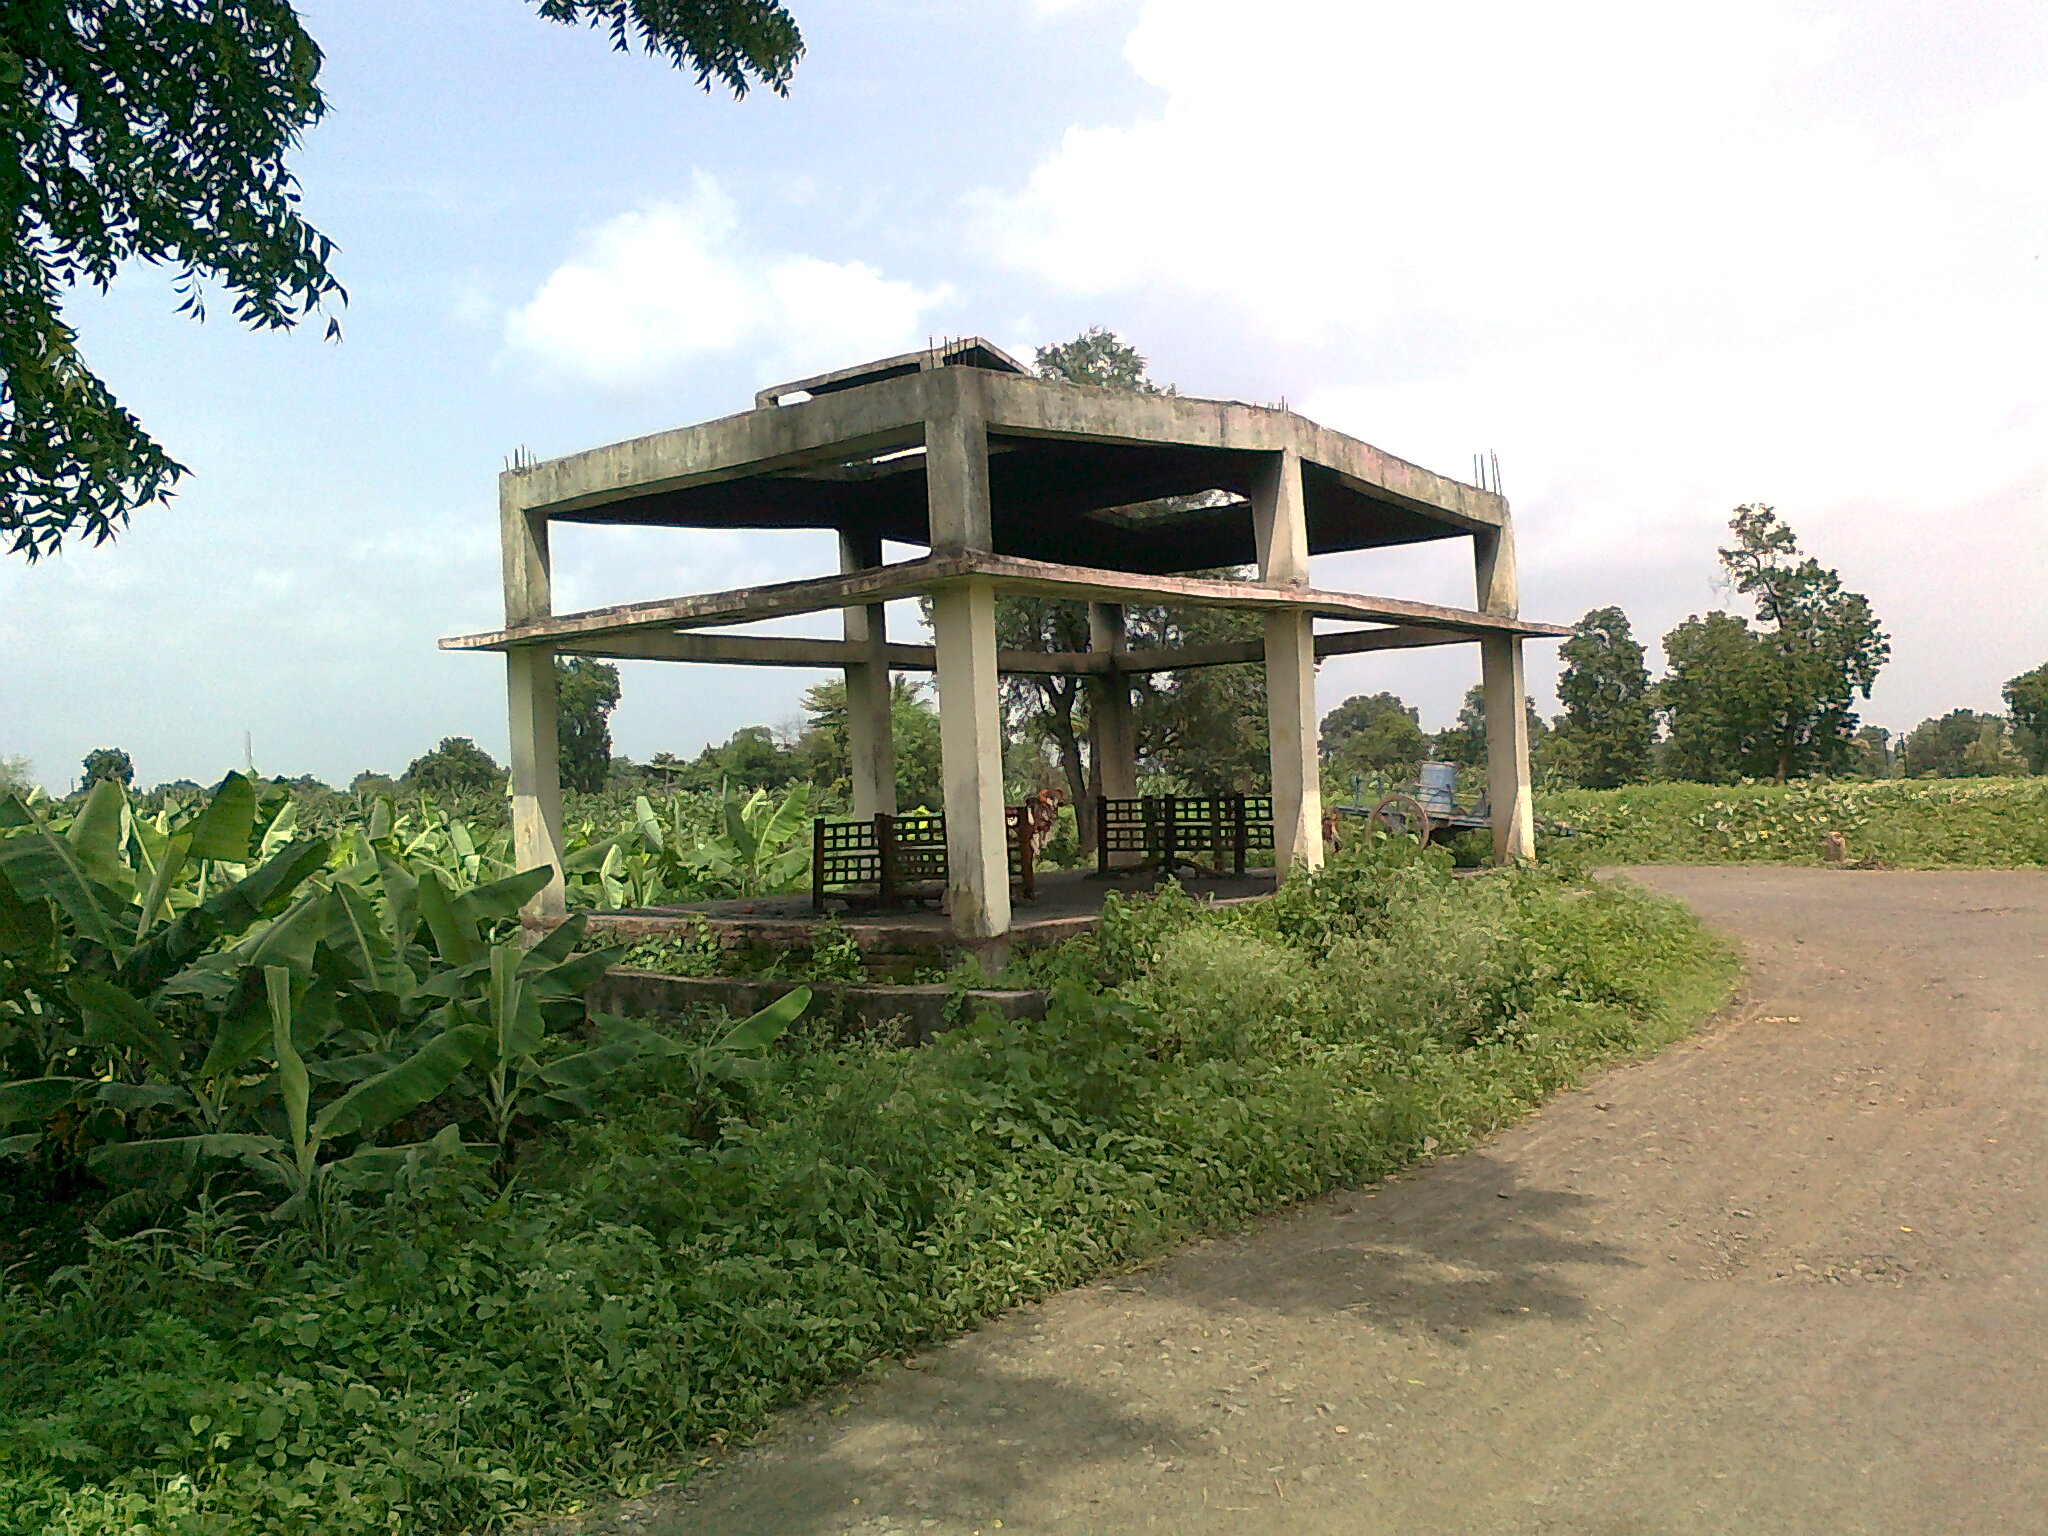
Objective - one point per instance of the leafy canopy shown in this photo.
(1605, 689)
(1771, 702)
(587, 692)
(2027, 697)
(1373, 733)
(107, 763)
(158, 131)
(457, 766)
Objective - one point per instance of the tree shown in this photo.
(107, 763)
(1096, 356)
(458, 766)
(2027, 697)
(826, 759)
(157, 131)
(587, 691)
(1715, 697)
(1874, 755)
(1206, 726)
(1609, 724)
(17, 776)
(1374, 734)
(1961, 744)
(1464, 742)
(1821, 646)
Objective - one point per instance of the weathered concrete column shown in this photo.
(870, 738)
(1112, 730)
(1280, 521)
(530, 697)
(970, 718)
(1504, 690)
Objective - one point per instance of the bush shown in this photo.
(646, 1286)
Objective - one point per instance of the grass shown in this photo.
(1906, 823)
(458, 1356)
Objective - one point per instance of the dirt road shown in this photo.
(1787, 1277)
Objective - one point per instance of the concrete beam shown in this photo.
(911, 578)
(890, 413)
(1032, 407)
(794, 651)
(828, 430)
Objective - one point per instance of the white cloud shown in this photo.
(1662, 259)
(656, 288)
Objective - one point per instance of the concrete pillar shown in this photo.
(1112, 730)
(964, 638)
(530, 697)
(1280, 522)
(971, 755)
(870, 739)
(1504, 689)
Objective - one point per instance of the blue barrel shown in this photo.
(1438, 788)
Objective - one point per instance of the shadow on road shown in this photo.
(1464, 1248)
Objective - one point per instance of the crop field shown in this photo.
(1902, 823)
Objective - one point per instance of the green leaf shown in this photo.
(134, 1096)
(789, 817)
(455, 938)
(26, 927)
(515, 1008)
(291, 1067)
(95, 834)
(223, 829)
(588, 1068)
(115, 1017)
(290, 940)
(572, 977)
(560, 942)
(230, 910)
(170, 1159)
(170, 864)
(648, 823)
(22, 1145)
(43, 867)
(760, 1030)
(38, 1098)
(501, 899)
(377, 1101)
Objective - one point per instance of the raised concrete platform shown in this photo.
(1069, 902)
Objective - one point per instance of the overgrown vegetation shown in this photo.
(1911, 823)
(738, 1219)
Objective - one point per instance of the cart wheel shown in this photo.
(1404, 816)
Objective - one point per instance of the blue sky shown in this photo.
(1662, 263)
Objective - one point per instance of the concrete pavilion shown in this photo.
(1012, 484)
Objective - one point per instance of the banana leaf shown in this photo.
(97, 832)
(229, 910)
(223, 829)
(174, 1159)
(44, 867)
(26, 927)
(377, 1101)
(38, 1098)
(115, 1017)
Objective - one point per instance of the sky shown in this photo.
(1661, 260)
